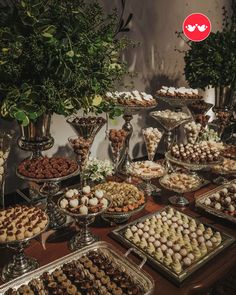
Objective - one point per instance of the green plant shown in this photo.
(58, 57)
(213, 61)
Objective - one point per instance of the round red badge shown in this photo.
(197, 27)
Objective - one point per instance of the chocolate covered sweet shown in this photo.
(47, 168)
(92, 274)
(81, 148)
(223, 200)
(202, 153)
(117, 139)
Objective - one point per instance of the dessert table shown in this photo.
(200, 283)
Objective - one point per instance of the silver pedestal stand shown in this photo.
(20, 263)
(84, 237)
(50, 188)
(180, 200)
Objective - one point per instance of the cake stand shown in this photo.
(179, 199)
(50, 188)
(84, 237)
(20, 263)
(129, 111)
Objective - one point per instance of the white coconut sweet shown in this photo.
(74, 203)
(64, 202)
(83, 210)
(70, 194)
(93, 202)
(86, 189)
(99, 194)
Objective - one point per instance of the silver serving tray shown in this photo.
(199, 204)
(134, 271)
(227, 240)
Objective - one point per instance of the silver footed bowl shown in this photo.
(20, 263)
(84, 237)
(120, 217)
(192, 166)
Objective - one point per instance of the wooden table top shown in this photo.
(215, 270)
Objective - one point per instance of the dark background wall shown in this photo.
(155, 61)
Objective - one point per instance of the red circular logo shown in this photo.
(197, 27)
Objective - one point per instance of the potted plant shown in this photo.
(57, 57)
(212, 62)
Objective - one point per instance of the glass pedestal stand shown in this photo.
(129, 111)
(48, 190)
(86, 132)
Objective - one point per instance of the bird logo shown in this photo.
(201, 28)
(196, 27)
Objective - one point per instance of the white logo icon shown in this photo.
(201, 28)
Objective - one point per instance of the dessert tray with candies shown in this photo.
(126, 200)
(220, 201)
(21, 223)
(182, 182)
(96, 269)
(84, 202)
(147, 169)
(50, 169)
(195, 156)
(174, 243)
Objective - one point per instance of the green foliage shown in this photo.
(56, 56)
(213, 61)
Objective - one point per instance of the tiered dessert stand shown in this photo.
(180, 200)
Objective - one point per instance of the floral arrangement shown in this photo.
(97, 170)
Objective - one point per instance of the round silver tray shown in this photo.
(120, 217)
(56, 179)
(192, 166)
(146, 176)
(202, 182)
(132, 110)
(177, 101)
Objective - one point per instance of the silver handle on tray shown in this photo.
(144, 258)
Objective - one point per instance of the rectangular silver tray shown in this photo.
(210, 210)
(143, 279)
(227, 240)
